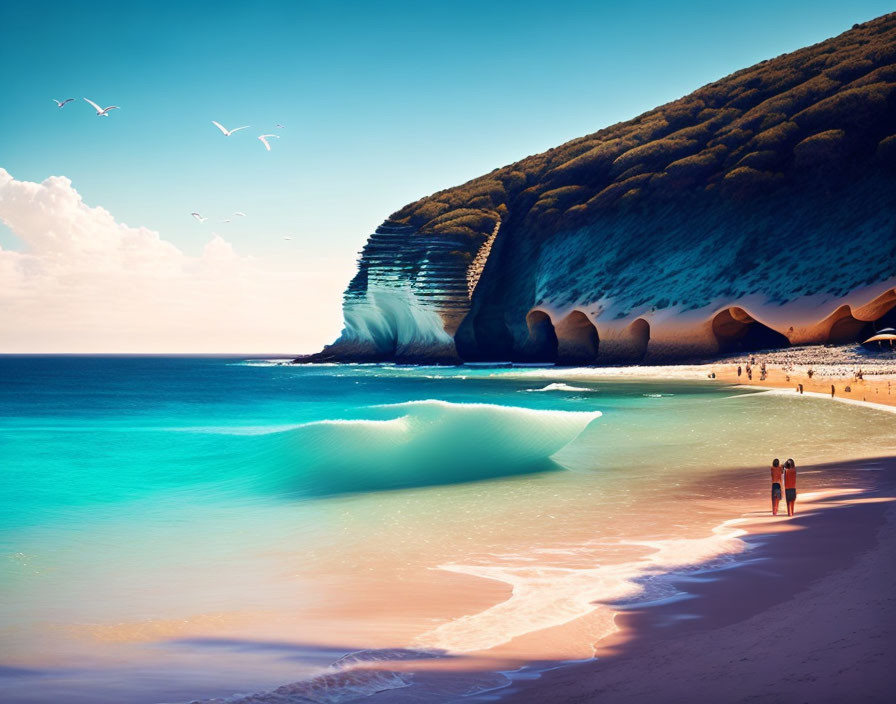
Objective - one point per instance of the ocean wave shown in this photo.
(560, 386)
(353, 676)
(332, 687)
(275, 362)
(682, 372)
(419, 443)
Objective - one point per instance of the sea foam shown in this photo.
(545, 596)
(560, 386)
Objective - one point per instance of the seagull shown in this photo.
(226, 131)
(287, 238)
(101, 112)
(239, 214)
(265, 141)
(58, 104)
(279, 126)
(225, 221)
(198, 217)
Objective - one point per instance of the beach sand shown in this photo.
(877, 385)
(808, 616)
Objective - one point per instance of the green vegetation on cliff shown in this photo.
(819, 111)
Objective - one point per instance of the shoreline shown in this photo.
(781, 558)
(733, 620)
(723, 502)
(876, 390)
(879, 389)
(778, 391)
(704, 607)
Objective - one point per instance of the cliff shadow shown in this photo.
(484, 336)
(542, 344)
(860, 323)
(736, 331)
(627, 345)
(639, 338)
(848, 324)
(845, 327)
(577, 339)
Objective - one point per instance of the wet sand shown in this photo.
(808, 615)
(876, 386)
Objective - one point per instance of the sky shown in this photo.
(381, 103)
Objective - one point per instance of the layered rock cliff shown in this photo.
(759, 211)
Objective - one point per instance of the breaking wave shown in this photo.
(392, 319)
(560, 386)
(419, 443)
(352, 677)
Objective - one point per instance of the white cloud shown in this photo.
(83, 282)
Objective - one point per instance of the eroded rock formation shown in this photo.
(757, 212)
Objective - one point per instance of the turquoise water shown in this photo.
(164, 522)
(84, 432)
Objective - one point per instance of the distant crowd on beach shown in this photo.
(785, 475)
(748, 368)
(839, 380)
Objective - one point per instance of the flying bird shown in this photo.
(264, 141)
(224, 221)
(101, 112)
(226, 131)
(278, 126)
(239, 214)
(287, 238)
(198, 217)
(60, 104)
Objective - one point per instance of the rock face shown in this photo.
(410, 294)
(759, 211)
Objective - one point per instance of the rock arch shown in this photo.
(577, 339)
(639, 334)
(855, 324)
(844, 327)
(542, 343)
(736, 330)
(879, 313)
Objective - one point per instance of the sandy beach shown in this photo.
(818, 369)
(807, 614)
(854, 377)
(810, 616)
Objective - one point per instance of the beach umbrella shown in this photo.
(881, 337)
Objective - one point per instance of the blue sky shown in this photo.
(382, 102)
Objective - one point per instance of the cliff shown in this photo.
(758, 211)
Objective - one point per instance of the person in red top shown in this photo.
(790, 485)
(777, 474)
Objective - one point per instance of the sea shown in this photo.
(222, 529)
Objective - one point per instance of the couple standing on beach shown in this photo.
(788, 474)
